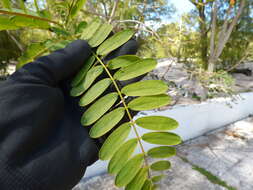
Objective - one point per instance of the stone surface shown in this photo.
(226, 153)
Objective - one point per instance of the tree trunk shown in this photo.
(203, 36)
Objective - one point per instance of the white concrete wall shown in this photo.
(195, 120)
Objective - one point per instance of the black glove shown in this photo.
(42, 143)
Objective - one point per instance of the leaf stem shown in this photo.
(126, 108)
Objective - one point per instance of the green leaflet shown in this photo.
(156, 179)
(90, 30)
(107, 122)
(95, 91)
(6, 4)
(145, 88)
(90, 77)
(149, 102)
(99, 108)
(81, 74)
(121, 156)
(162, 138)
(53, 46)
(147, 185)
(136, 69)
(122, 61)
(160, 165)
(128, 172)
(139, 180)
(77, 7)
(113, 142)
(5, 24)
(157, 123)
(32, 52)
(21, 21)
(162, 152)
(81, 26)
(114, 42)
(102, 33)
(60, 31)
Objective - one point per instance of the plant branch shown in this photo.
(28, 16)
(126, 108)
(113, 10)
(19, 45)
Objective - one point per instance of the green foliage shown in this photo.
(107, 107)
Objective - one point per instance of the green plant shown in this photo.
(133, 171)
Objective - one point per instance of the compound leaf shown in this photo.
(90, 30)
(81, 74)
(139, 180)
(107, 122)
(162, 152)
(113, 142)
(122, 61)
(95, 91)
(128, 172)
(157, 123)
(99, 108)
(121, 156)
(149, 102)
(114, 42)
(100, 36)
(90, 77)
(160, 165)
(136, 69)
(145, 88)
(162, 138)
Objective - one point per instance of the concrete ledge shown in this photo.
(195, 120)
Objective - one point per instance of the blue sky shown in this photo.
(182, 6)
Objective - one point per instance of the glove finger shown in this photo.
(59, 65)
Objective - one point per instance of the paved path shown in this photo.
(220, 160)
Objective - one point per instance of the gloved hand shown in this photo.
(42, 143)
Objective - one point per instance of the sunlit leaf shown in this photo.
(145, 88)
(156, 179)
(157, 123)
(22, 21)
(22, 5)
(6, 24)
(121, 156)
(99, 108)
(162, 138)
(137, 69)
(128, 172)
(95, 91)
(114, 42)
(90, 30)
(139, 180)
(113, 142)
(107, 122)
(149, 102)
(160, 165)
(89, 78)
(59, 31)
(123, 61)
(83, 71)
(101, 34)
(162, 152)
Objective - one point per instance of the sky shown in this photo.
(182, 6)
